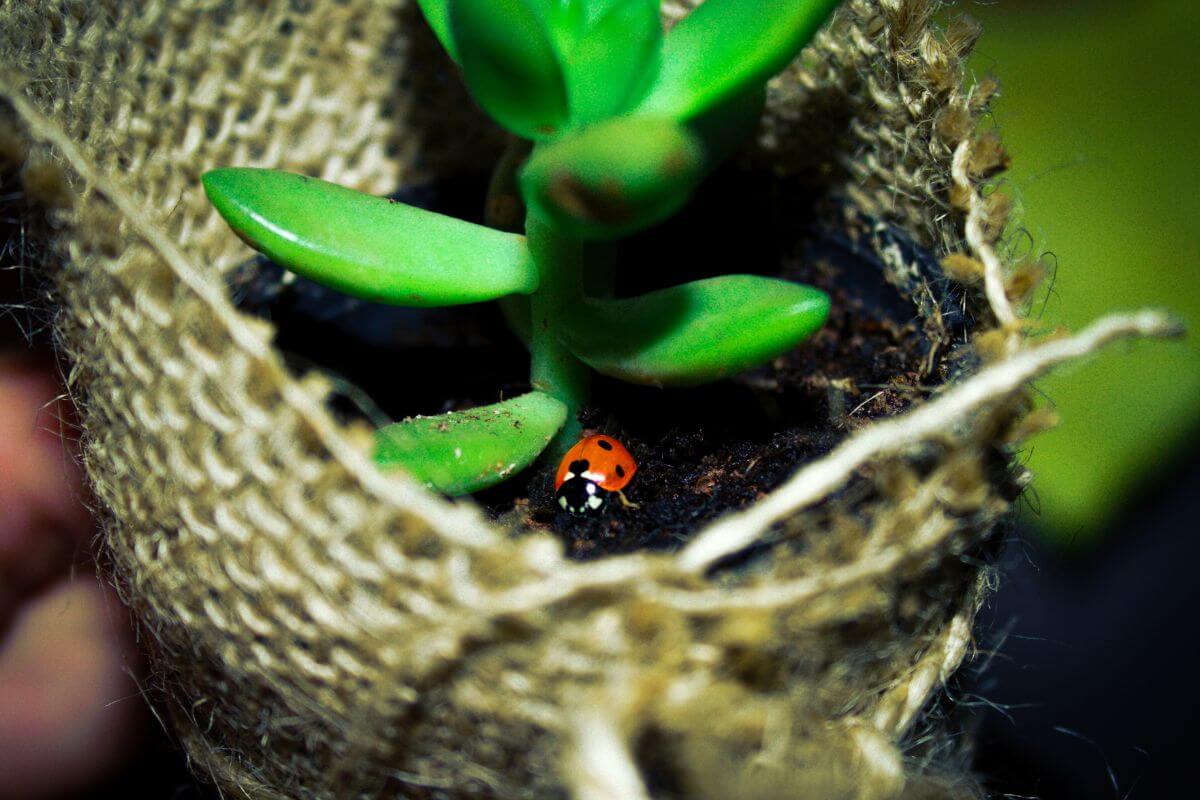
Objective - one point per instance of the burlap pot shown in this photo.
(318, 629)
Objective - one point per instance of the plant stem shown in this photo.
(554, 369)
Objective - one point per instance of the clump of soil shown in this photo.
(701, 451)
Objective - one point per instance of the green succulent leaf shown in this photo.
(366, 246)
(465, 451)
(437, 14)
(614, 60)
(726, 127)
(564, 20)
(595, 10)
(694, 333)
(615, 177)
(510, 63)
(724, 48)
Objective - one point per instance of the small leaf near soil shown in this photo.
(366, 246)
(694, 333)
(465, 451)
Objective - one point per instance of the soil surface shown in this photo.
(700, 451)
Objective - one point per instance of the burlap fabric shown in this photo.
(320, 630)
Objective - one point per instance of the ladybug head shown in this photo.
(581, 496)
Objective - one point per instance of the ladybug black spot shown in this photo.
(620, 471)
(581, 497)
(579, 466)
(604, 444)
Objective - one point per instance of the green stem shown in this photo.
(555, 370)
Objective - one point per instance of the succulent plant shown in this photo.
(623, 123)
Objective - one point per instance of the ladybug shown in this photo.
(594, 468)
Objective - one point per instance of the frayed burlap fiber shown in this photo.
(320, 630)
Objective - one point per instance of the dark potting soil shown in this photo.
(700, 451)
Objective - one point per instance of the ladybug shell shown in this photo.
(608, 463)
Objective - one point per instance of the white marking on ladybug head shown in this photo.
(594, 476)
(591, 487)
(595, 501)
(562, 501)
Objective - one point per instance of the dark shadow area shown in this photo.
(1092, 692)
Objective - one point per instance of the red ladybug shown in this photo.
(594, 468)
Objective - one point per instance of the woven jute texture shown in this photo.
(320, 630)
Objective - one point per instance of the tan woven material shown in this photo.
(319, 630)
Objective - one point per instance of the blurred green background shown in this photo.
(1100, 113)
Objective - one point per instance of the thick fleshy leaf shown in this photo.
(724, 48)
(614, 61)
(437, 14)
(369, 247)
(694, 333)
(511, 64)
(595, 10)
(728, 126)
(564, 20)
(465, 451)
(615, 177)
